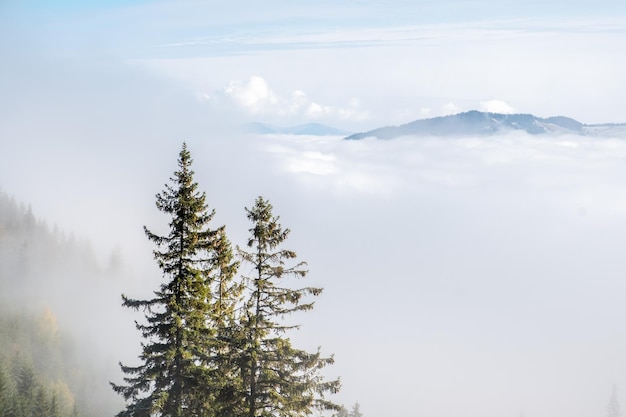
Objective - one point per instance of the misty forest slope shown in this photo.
(41, 370)
(34, 368)
(32, 256)
(50, 285)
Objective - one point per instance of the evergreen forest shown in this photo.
(43, 370)
(213, 336)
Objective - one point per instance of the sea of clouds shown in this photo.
(482, 275)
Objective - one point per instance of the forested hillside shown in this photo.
(35, 370)
(34, 257)
(216, 336)
(44, 370)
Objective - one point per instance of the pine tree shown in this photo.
(280, 380)
(613, 409)
(342, 412)
(180, 354)
(54, 405)
(227, 301)
(220, 366)
(356, 410)
(41, 404)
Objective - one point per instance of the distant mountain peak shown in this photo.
(477, 123)
(311, 129)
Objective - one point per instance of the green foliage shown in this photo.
(182, 358)
(280, 379)
(38, 265)
(31, 370)
(215, 343)
(215, 346)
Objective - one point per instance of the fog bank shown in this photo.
(473, 275)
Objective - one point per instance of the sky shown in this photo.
(474, 276)
(356, 64)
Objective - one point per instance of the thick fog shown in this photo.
(481, 276)
(463, 276)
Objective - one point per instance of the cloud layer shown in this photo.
(489, 270)
(401, 73)
(256, 100)
(479, 276)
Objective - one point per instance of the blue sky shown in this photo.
(495, 265)
(66, 6)
(356, 65)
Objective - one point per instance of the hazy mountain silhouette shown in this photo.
(476, 123)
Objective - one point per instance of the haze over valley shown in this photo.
(463, 273)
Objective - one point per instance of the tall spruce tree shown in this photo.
(220, 365)
(181, 357)
(279, 380)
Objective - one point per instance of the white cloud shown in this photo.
(255, 97)
(496, 106)
(353, 112)
(316, 110)
(507, 288)
(544, 56)
(473, 230)
(450, 108)
(299, 100)
(425, 112)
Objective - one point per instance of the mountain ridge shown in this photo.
(477, 123)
